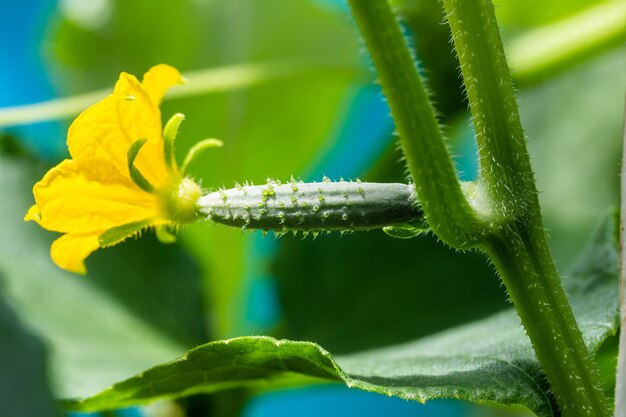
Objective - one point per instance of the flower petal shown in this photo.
(70, 251)
(89, 198)
(106, 131)
(33, 214)
(158, 80)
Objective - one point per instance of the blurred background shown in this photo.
(289, 89)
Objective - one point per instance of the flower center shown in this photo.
(181, 201)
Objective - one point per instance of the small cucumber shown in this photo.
(312, 206)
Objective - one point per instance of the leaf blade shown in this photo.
(490, 360)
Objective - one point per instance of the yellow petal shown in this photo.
(69, 251)
(158, 80)
(33, 214)
(90, 198)
(106, 131)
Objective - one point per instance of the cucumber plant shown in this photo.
(547, 367)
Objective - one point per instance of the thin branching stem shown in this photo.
(205, 81)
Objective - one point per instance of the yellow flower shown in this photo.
(122, 177)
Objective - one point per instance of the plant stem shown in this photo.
(504, 163)
(510, 227)
(522, 258)
(547, 50)
(518, 243)
(444, 204)
(205, 81)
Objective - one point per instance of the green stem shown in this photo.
(522, 258)
(517, 243)
(444, 204)
(205, 81)
(510, 228)
(505, 167)
(548, 50)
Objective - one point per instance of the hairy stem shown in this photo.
(444, 204)
(505, 167)
(522, 258)
(507, 222)
(517, 243)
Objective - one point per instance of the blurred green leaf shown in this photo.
(386, 281)
(131, 36)
(575, 130)
(490, 360)
(24, 391)
(274, 129)
(138, 306)
(158, 283)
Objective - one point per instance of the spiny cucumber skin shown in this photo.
(314, 206)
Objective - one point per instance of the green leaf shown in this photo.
(239, 362)
(370, 269)
(560, 145)
(123, 317)
(490, 360)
